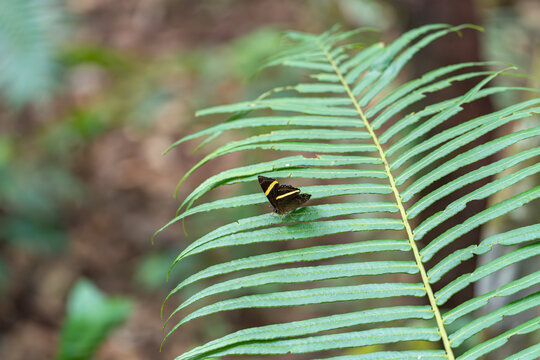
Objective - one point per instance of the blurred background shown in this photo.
(92, 92)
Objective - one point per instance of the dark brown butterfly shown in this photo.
(284, 198)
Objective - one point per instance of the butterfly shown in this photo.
(284, 198)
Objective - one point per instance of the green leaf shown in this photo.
(396, 104)
(461, 282)
(310, 296)
(361, 62)
(316, 106)
(485, 321)
(441, 112)
(305, 274)
(334, 341)
(349, 104)
(315, 191)
(468, 157)
(292, 256)
(319, 88)
(311, 326)
(396, 355)
(498, 341)
(303, 215)
(91, 316)
(512, 237)
(262, 121)
(484, 216)
(392, 70)
(472, 130)
(481, 193)
(404, 95)
(470, 177)
(284, 167)
(530, 353)
(482, 300)
(385, 58)
(294, 232)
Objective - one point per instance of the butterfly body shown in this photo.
(283, 198)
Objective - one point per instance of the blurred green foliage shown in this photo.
(34, 195)
(152, 269)
(91, 316)
(30, 34)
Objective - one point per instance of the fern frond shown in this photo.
(357, 127)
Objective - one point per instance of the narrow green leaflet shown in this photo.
(305, 51)
(308, 65)
(482, 300)
(296, 134)
(262, 121)
(495, 343)
(305, 274)
(324, 77)
(501, 262)
(446, 107)
(309, 46)
(468, 157)
(295, 232)
(323, 160)
(334, 341)
(451, 109)
(315, 106)
(310, 147)
(360, 62)
(385, 57)
(481, 193)
(392, 70)
(483, 172)
(287, 165)
(315, 173)
(450, 262)
(316, 192)
(396, 104)
(305, 214)
(396, 355)
(408, 89)
(531, 353)
(309, 296)
(319, 88)
(478, 324)
(421, 130)
(473, 128)
(482, 217)
(512, 237)
(311, 326)
(297, 255)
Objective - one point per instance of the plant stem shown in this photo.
(403, 213)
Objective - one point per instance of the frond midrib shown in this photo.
(399, 203)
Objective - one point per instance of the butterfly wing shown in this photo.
(289, 198)
(284, 198)
(270, 188)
